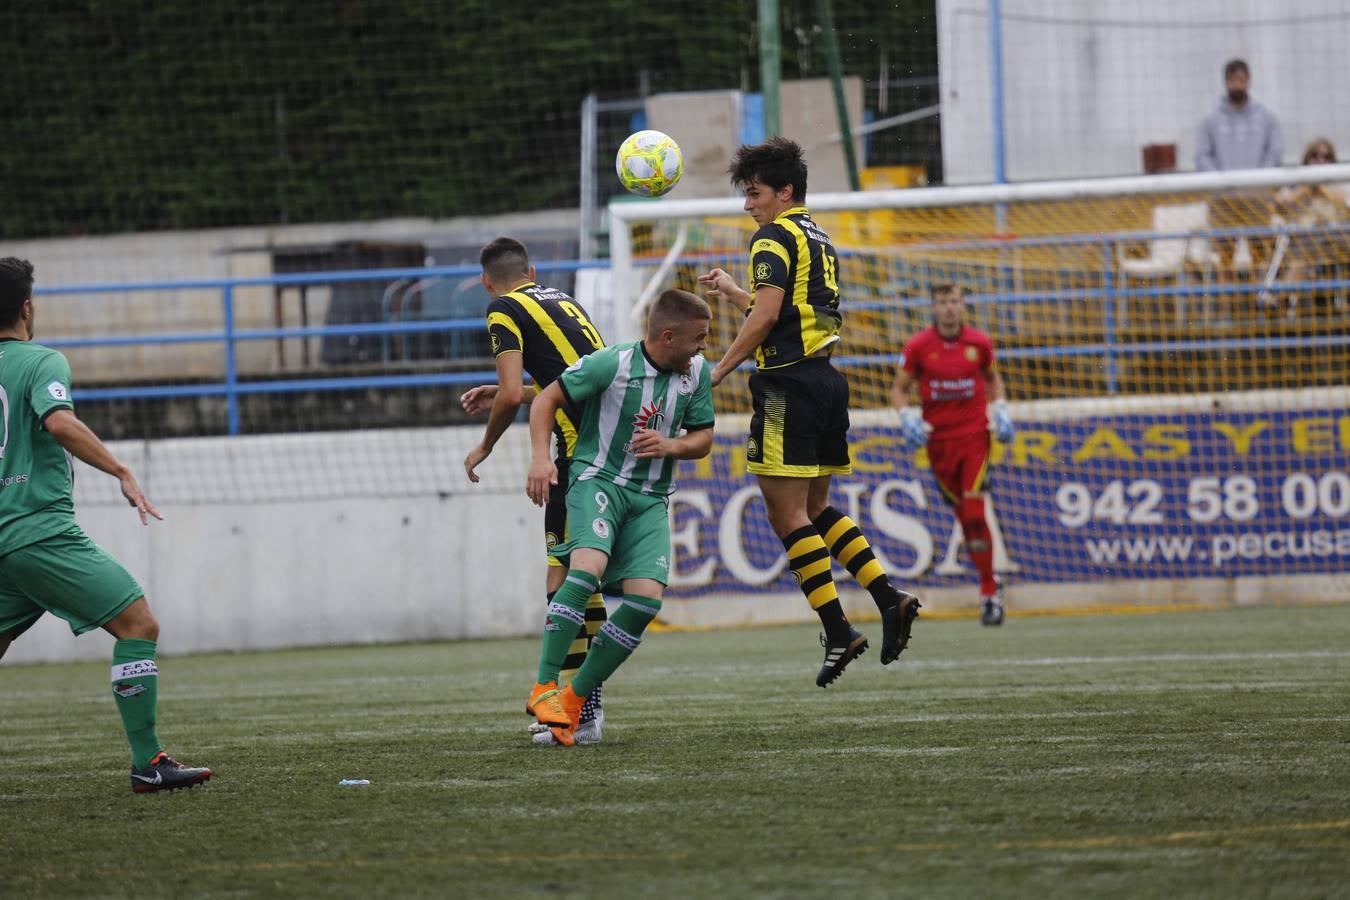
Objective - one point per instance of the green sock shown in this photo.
(566, 615)
(135, 685)
(616, 642)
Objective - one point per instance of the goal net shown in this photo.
(1175, 350)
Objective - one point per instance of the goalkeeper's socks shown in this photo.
(135, 686)
(566, 616)
(849, 545)
(979, 542)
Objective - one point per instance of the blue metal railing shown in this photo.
(1110, 294)
(231, 388)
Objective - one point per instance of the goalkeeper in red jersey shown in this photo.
(962, 404)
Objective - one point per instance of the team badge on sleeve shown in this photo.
(58, 391)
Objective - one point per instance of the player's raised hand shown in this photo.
(1000, 421)
(543, 476)
(913, 429)
(478, 400)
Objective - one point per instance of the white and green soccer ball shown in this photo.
(649, 163)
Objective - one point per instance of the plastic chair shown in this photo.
(1177, 248)
(1169, 255)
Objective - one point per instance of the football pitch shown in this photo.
(1189, 754)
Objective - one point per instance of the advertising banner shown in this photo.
(1129, 496)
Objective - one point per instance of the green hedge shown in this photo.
(174, 114)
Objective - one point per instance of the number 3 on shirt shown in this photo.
(586, 327)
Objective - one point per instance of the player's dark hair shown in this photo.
(16, 287)
(946, 287)
(1235, 66)
(505, 259)
(675, 307)
(778, 162)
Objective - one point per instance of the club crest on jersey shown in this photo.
(685, 386)
(601, 528)
(972, 354)
(58, 391)
(762, 271)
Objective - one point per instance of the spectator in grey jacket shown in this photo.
(1241, 133)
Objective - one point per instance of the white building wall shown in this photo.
(1088, 83)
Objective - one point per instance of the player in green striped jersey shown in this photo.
(47, 564)
(538, 330)
(799, 430)
(645, 404)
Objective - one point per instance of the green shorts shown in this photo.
(631, 527)
(67, 575)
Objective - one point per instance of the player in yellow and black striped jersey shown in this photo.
(799, 428)
(541, 331)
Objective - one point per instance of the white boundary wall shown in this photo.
(290, 564)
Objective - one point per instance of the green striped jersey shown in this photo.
(619, 390)
(36, 477)
(794, 254)
(551, 331)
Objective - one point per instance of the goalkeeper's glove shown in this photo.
(1000, 421)
(913, 429)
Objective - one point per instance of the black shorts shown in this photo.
(800, 424)
(555, 510)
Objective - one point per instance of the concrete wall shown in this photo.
(1087, 83)
(268, 542)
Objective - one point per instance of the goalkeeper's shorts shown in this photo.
(961, 465)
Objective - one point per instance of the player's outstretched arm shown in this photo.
(77, 438)
(768, 303)
(543, 473)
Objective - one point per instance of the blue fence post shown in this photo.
(1109, 297)
(231, 370)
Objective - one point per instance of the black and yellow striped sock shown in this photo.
(809, 560)
(849, 545)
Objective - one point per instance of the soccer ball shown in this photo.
(649, 163)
